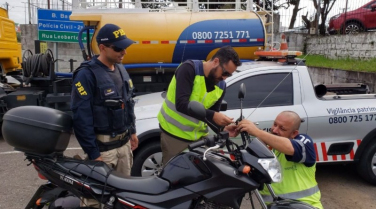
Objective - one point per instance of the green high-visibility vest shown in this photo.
(298, 183)
(182, 125)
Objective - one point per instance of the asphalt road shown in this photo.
(340, 185)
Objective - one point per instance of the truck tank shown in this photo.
(10, 50)
(172, 37)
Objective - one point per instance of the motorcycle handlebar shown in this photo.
(197, 144)
(203, 141)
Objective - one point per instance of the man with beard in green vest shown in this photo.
(196, 80)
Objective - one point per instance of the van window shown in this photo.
(258, 88)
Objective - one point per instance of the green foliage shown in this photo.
(268, 4)
(342, 64)
(18, 37)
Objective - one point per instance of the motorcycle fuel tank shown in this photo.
(185, 169)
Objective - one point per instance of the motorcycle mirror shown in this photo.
(223, 106)
(242, 91)
(197, 110)
(241, 95)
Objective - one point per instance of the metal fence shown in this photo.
(336, 17)
(304, 16)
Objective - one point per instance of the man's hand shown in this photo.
(231, 129)
(248, 126)
(99, 158)
(221, 119)
(134, 142)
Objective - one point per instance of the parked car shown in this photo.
(361, 19)
(343, 126)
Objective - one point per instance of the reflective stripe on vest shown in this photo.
(177, 123)
(293, 195)
(304, 153)
(173, 108)
(180, 124)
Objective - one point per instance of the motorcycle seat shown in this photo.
(146, 185)
(101, 172)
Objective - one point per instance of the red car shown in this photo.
(361, 19)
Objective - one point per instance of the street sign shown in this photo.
(55, 26)
(55, 36)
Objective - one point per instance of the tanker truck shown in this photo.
(162, 41)
(165, 39)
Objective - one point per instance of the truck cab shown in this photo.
(10, 49)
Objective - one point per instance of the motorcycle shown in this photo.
(202, 178)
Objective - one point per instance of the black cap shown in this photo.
(114, 35)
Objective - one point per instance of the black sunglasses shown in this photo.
(116, 49)
(225, 73)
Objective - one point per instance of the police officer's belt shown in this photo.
(106, 142)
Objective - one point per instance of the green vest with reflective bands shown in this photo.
(182, 125)
(298, 183)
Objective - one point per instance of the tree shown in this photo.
(268, 4)
(324, 7)
(309, 22)
(18, 37)
(327, 5)
(204, 5)
(163, 3)
(294, 11)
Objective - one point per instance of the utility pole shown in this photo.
(25, 11)
(28, 3)
(48, 4)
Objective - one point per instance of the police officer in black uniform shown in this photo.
(102, 104)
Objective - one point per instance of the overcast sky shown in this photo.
(16, 10)
(19, 14)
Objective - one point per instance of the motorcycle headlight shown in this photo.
(273, 167)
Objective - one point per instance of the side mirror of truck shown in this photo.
(320, 90)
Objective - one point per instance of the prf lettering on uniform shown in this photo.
(118, 33)
(80, 89)
(304, 140)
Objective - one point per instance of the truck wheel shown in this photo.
(148, 161)
(367, 164)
